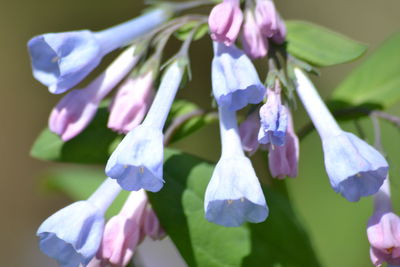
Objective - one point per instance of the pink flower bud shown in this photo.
(384, 236)
(123, 232)
(248, 131)
(73, 113)
(151, 226)
(266, 17)
(131, 103)
(279, 36)
(225, 21)
(77, 109)
(283, 160)
(384, 230)
(254, 43)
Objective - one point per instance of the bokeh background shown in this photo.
(337, 228)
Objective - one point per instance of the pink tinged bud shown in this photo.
(384, 230)
(254, 43)
(131, 103)
(248, 131)
(279, 36)
(225, 21)
(266, 17)
(151, 225)
(283, 160)
(122, 233)
(77, 109)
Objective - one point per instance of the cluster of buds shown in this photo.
(77, 235)
(262, 24)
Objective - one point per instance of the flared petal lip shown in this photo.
(354, 187)
(52, 235)
(123, 172)
(223, 210)
(38, 72)
(241, 97)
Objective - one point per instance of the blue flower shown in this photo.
(72, 235)
(137, 161)
(235, 81)
(234, 194)
(274, 121)
(61, 60)
(355, 169)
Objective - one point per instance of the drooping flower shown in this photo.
(355, 168)
(225, 21)
(122, 233)
(266, 17)
(72, 235)
(248, 131)
(254, 43)
(61, 60)
(283, 160)
(274, 119)
(131, 103)
(235, 81)
(233, 194)
(137, 161)
(77, 109)
(384, 229)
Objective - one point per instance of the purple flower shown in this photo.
(254, 43)
(72, 235)
(137, 161)
(61, 60)
(266, 17)
(77, 109)
(225, 20)
(235, 81)
(131, 103)
(233, 194)
(283, 160)
(384, 229)
(274, 119)
(248, 131)
(355, 168)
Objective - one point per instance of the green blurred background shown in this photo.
(337, 227)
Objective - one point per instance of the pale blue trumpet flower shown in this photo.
(235, 80)
(61, 60)
(73, 235)
(355, 168)
(137, 161)
(234, 194)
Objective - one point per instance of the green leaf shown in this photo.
(79, 184)
(279, 241)
(91, 146)
(374, 83)
(320, 46)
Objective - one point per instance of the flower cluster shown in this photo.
(78, 234)
(261, 24)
